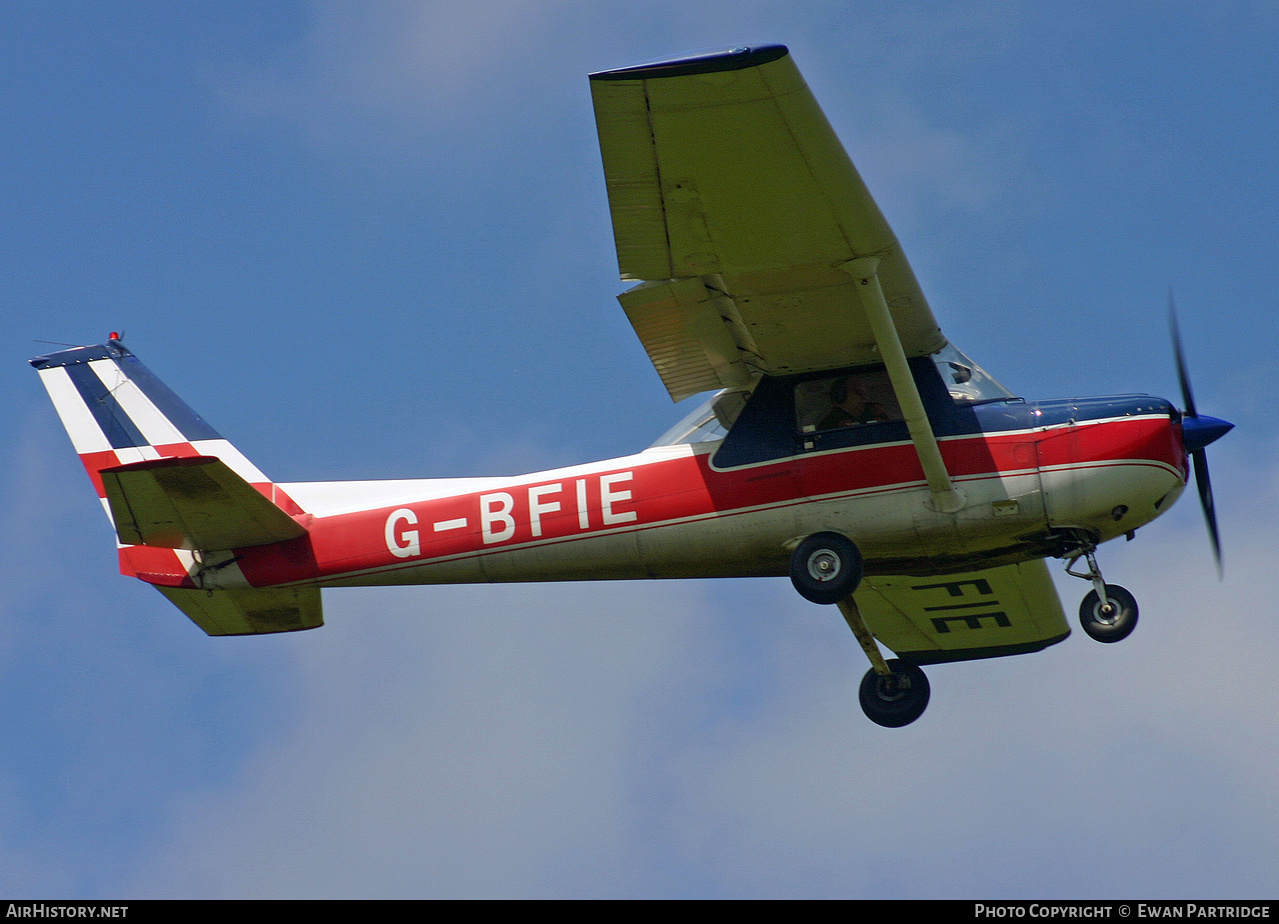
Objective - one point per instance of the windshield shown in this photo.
(967, 382)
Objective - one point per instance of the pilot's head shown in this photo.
(847, 391)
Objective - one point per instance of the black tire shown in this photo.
(1109, 627)
(895, 700)
(826, 567)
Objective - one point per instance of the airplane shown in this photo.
(845, 441)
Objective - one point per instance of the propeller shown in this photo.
(1198, 431)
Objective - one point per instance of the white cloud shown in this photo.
(454, 741)
(364, 77)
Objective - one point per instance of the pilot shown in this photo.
(850, 406)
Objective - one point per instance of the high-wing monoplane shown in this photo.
(846, 442)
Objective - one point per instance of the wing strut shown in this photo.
(865, 271)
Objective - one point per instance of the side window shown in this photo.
(849, 400)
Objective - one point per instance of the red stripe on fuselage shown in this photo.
(1147, 439)
(647, 494)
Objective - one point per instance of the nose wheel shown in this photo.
(1112, 620)
(1109, 612)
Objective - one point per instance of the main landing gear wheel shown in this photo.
(826, 568)
(896, 699)
(1112, 622)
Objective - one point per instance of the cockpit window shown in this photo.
(967, 382)
(707, 422)
(698, 426)
(848, 400)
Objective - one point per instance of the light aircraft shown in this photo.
(846, 442)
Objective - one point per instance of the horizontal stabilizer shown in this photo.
(1013, 609)
(195, 502)
(250, 611)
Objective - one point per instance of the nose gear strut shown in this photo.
(1109, 612)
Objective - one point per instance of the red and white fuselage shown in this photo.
(668, 512)
(1027, 473)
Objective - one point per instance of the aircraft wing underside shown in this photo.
(736, 205)
(1012, 609)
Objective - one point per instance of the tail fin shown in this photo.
(117, 412)
(175, 491)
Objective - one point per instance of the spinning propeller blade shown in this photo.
(1197, 433)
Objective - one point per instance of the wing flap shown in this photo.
(250, 611)
(1012, 609)
(196, 502)
(684, 333)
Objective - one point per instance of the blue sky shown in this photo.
(372, 241)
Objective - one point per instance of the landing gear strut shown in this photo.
(826, 568)
(893, 693)
(1109, 612)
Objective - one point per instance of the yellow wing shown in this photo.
(735, 203)
(1008, 610)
